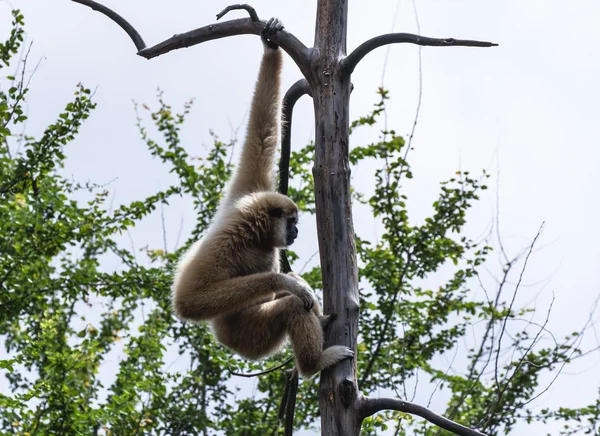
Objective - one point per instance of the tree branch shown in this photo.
(350, 62)
(244, 26)
(370, 406)
(297, 90)
(290, 98)
(133, 34)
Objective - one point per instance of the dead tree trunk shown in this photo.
(331, 96)
(327, 72)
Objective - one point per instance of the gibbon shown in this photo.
(231, 276)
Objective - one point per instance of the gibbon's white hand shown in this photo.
(303, 291)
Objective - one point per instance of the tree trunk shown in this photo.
(339, 399)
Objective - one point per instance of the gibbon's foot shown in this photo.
(273, 26)
(335, 354)
(326, 320)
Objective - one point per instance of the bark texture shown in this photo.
(339, 399)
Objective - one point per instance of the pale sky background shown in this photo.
(527, 110)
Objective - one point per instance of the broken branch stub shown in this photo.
(251, 11)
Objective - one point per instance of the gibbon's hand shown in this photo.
(273, 26)
(302, 290)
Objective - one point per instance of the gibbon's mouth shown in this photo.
(289, 241)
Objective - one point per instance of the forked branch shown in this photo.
(350, 62)
(370, 406)
(244, 26)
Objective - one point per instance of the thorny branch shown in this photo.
(370, 406)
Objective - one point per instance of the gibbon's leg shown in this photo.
(325, 320)
(199, 302)
(260, 330)
(255, 171)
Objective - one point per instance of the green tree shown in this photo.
(56, 233)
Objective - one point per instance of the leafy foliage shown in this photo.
(64, 317)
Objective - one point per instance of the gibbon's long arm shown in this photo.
(256, 171)
(233, 295)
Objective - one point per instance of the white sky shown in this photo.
(528, 110)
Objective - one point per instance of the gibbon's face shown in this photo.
(285, 227)
(291, 230)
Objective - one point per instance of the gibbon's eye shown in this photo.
(275, 212)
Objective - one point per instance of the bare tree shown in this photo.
(327, 74)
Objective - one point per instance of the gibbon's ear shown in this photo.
(275, 212)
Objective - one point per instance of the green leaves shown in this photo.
(13, 43)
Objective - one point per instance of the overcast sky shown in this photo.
(527, 110)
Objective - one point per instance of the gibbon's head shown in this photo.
(272, 218)
(285, 229)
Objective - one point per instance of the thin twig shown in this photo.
(178, 234)
(420, 95)
(164, 227)
(508, 312)
(308, 261)
(507, 380)
(266, 371)
(386, 325)
(579, 338)
(387, 51)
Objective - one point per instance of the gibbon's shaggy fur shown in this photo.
(231, 276)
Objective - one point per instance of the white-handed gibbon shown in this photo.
(231, 276)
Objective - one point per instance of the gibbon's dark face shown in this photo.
(285, 228)
(291, 230)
